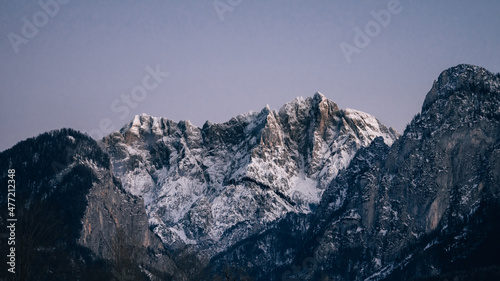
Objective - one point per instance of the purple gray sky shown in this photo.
(87, 64)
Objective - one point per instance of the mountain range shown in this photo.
(308, 192)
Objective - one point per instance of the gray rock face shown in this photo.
(211, 187)
(437, 176)
(113, 214)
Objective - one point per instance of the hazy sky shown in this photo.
(74, 64)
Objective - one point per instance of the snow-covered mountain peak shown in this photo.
(319, 96)
(370, 126)
(302, 107)
(141, 123)
(202, 184)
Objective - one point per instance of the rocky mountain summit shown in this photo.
(210, 187)
(429, 203)
(309, 192)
